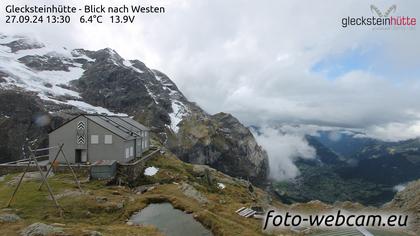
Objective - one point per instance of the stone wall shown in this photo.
(132, 171)
(13, 169)
(78, 169)
(125, 172)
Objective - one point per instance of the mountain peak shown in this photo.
(17, 43)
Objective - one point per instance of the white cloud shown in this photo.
(394, 131)
(283, 149)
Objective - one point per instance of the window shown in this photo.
(94, 139)
(108, 139)
(127, 153)
(131, 151)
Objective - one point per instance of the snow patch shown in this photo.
(48, 84)
(77, 55)
(179, 112)
(137, 70)
(57, 52)
(151, 94)
(45, 82)
(92, 109)
(128, 64)
(159, 78)
(4, 39)
(114, 57)
(150, 171)
(221, 186)
(5, 49)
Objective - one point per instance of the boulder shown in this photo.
(101, 199)
(9, 218)
(91, 233)
(40, 229)
(191, 192)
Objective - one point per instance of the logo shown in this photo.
(376, 10)
(381, 20)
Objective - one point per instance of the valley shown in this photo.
(353, 169)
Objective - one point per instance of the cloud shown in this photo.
(283, 149)
(286, 143)
(393, 132)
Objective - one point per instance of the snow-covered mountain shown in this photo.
(31, 66)
(41, 87)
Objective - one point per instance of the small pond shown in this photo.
(169, 221)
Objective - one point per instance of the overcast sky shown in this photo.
(263, 61)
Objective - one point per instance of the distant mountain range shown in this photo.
(352, 168)
(377, 161)
(344, 142)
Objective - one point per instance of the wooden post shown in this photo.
(49, 169)
(24, 172)
(68, 164)
(44, 179)
(18, 185)
(72, 171)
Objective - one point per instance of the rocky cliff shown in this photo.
(222, 142)
(65, 82)
(22, 116)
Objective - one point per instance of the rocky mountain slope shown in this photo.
(211, 140)
(58, 83)
(343, 141)
(408, 200)
(22, 116)
(400, 161)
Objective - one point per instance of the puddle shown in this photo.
(169, 221)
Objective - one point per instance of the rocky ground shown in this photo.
(408, 200)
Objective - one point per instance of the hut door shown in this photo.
(81, 156)
(78, 156)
